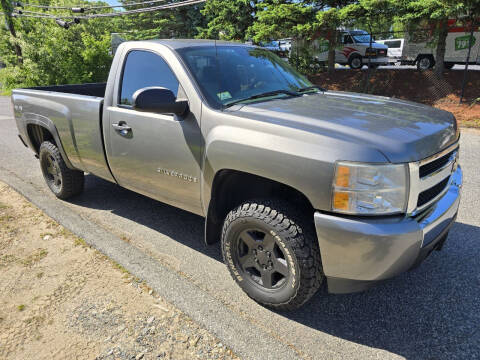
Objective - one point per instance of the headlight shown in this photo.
(369, 189)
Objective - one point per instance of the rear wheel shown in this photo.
(425, 62)
(272, 252)
(61, 180)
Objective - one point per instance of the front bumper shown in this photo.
(357, 252)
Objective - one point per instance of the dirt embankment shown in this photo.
(422, 87)
(60, 299)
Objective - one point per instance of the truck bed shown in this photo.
(75, 113)
(91, 89)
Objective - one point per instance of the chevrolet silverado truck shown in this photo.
(300, 185)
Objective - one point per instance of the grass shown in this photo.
(80, 242)
(120, 267)
(35, 257)
(21, 307)
(7, 259)
(64, 232)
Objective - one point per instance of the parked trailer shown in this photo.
(420, 49)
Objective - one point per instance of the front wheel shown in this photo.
(355, 62)
(272, 252)
(61, 180)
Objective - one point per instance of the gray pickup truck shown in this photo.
(301, 185)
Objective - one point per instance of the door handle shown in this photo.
(122, 128)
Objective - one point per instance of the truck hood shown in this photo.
(402, 130)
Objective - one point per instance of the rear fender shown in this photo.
(46, 123)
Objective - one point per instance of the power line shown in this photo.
(81, 9)
(20, 4)
(33, 14)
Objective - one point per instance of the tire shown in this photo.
(62, 181)
(355, 62)
(272, 252)
(425, 62)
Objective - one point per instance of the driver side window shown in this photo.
(143, 69)
(347, 39)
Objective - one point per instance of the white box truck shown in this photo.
(420, 47)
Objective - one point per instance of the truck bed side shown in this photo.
(74, 120)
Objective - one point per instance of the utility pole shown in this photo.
(7, 9)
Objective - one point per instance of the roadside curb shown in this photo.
(244, 338)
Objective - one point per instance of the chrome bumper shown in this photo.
(357, 252)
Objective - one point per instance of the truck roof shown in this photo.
(183, 43)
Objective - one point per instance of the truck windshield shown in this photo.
(231, 74)
(361, 37)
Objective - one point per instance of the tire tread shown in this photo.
(72, 180)
(297, 232)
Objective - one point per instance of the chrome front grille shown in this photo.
(430, 178)
(426, 196)
(433, 166)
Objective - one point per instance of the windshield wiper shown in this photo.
(313, 87)
(262, 95)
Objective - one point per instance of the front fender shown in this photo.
(304, 166)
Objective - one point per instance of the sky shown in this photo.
(112, 2)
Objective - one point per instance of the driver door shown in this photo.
(158, 155)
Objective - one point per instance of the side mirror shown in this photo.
(159, 100)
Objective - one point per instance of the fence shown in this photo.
(409, 73)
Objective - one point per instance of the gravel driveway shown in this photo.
(60, 299)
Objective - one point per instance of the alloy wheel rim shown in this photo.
(261, 259)
(52, 171)
(356, 62)
(424, 64)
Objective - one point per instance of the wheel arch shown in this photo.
(40, 131)
(419, 56)
(353, 55)
(232, 187)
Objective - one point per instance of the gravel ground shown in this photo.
(61, 299)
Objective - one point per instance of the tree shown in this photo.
(227, 19)
(7, 9)
(53, 55)
(277, 19)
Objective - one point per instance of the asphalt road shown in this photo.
(432, 312)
